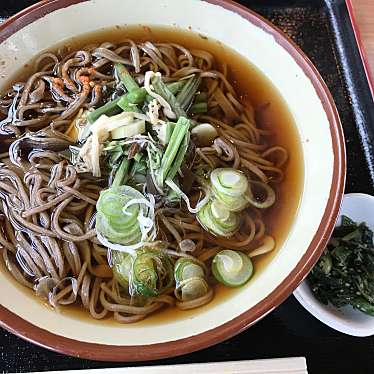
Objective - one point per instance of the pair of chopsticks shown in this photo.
(294, 365)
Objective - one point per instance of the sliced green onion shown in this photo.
(119, 235)
(199, 108)
(124, 75)
(111, 204)
(219, 212)
(137, 96)
(232, 268)
(125, 223)
(121, 173)
(229, 181)
(179, 157)
(110, 109)
(218, 226)
(174, 88)
(189, 280)
(122, 265)
(126, 106)
(192, 289)
(185, 268)
(232, 203)
(186, 95)
(201, 97)
(179, 132)
(152, 273)
(161, 89)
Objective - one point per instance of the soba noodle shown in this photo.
(48, 237)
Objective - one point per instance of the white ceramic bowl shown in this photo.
(43, 25)
(360, 208)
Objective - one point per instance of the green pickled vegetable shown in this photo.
(363, 305)
(344, 274)
(232, 268)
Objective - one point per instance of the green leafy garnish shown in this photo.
(345, 272)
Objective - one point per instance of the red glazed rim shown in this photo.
(361, 47)
(61, 344)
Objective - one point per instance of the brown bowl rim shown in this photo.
(103, 352)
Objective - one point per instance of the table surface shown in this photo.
(327, 351)
(364, 12)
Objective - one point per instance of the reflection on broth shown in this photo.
(151, 172)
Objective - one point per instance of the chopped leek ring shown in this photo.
(189, 280)
(229, 181)
(122, 264)
(232, 268)
(146, 277)
(185, 269)
(232, 203)
(125, 219)
(216, 226)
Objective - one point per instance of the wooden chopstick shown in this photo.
(292, 365)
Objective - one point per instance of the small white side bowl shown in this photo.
(360, 208)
